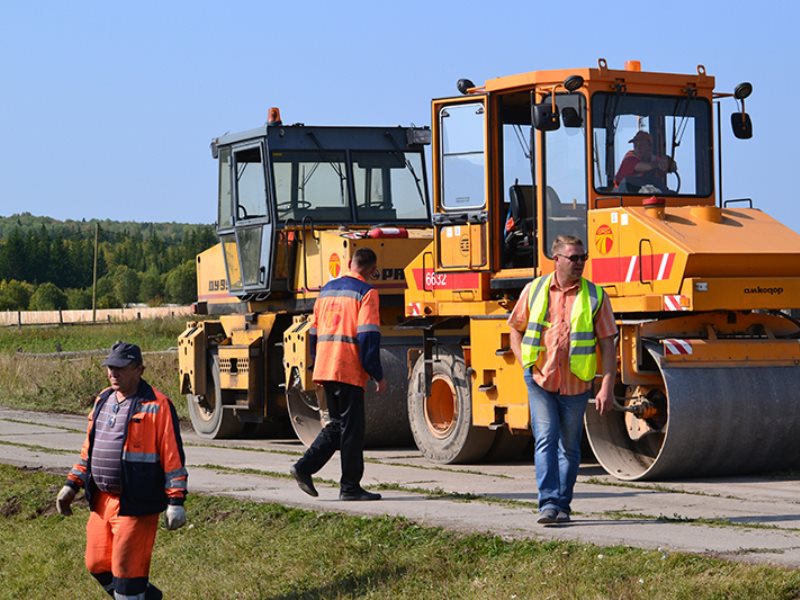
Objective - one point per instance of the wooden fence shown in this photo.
(19, 318)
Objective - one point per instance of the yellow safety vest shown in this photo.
(582, 340)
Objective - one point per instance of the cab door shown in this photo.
(461, 178)
(252, 220)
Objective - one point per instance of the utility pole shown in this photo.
(94, 273)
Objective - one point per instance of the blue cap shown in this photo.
(122, 354)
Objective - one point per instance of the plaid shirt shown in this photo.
(551, 370)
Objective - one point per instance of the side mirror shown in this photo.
(545, 118)
(742, 125)
(571, 117)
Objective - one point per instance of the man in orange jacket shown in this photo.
(132, 468)
(345, 343)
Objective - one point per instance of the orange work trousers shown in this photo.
(120, 545)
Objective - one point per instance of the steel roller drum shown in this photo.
(386, 414)
(721, 421)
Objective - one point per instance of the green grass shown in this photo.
(238, 549)
(150, 334)
(70, 383)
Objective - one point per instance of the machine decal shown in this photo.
(446, 281)
(335, 265)
(676, 302)
(649, 267)
(604, 239)
(414, 309)
(676, 346)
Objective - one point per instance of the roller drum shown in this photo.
(386, 415)
(721, 421)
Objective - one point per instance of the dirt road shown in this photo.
(754, 519)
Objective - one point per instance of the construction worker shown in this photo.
(641, 167)
(132, 468)
(345, 343)
(556, 325)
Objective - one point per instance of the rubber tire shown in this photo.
(463, 442)
(216, 424)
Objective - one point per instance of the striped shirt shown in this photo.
(108, 439)
(551, 370)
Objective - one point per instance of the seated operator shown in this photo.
(640, 167)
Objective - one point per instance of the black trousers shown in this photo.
(345, 433)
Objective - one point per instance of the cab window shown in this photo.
(463, 158)
(647, 145)
(565, 172)
(389, 186)
(311, 183)
(251, 190)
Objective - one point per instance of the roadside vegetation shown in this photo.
(34, 376)
(47, 264)
(239, 549)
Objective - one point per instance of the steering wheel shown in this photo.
(289, 205)
(634, 184)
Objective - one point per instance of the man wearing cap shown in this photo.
(132, 468)
(641, 163)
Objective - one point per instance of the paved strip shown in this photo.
(607, 512)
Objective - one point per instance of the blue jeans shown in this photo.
(557, 423)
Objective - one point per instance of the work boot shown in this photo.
(359, 495)
(547, 516)
(304, 482)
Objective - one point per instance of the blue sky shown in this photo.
(108, 108)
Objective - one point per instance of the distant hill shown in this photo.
(48, 264)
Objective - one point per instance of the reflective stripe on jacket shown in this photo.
(153, 463)
(345, 332)
(582, 339)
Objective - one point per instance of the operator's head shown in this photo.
(642, 144)
(364, 262)
(570, 258)
(124, 367)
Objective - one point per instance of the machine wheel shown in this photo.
(442, 422)
(306, 414)
(385, 414)
(209, 419)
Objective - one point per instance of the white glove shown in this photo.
(175, 517)
(64, 499)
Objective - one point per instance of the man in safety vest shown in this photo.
(132, 467)
(345, 345)
(556, 326)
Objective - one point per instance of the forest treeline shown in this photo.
(46, 264)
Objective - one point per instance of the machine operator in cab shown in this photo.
(641, 167)
(556, 326)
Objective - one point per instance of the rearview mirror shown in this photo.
(742, 125)
(571, 117)
(545, 118)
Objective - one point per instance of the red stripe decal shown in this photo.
(446, 281)
(612, 270)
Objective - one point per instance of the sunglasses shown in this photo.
(575, 257)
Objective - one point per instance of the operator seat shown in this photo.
(519, 239)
